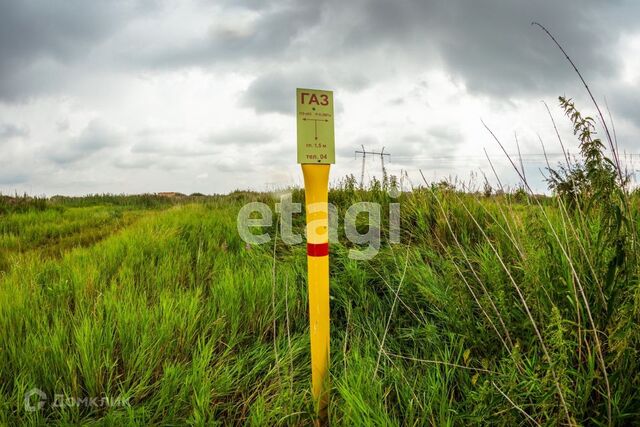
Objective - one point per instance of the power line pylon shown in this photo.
(364, 153)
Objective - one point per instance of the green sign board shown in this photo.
(316, 142)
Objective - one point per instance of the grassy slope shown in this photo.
(174, 311)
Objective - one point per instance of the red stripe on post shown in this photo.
(317, 249)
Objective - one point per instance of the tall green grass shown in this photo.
(176, 313)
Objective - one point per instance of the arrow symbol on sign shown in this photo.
(315, 125)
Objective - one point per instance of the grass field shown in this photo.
(496, 306)
(504, 310)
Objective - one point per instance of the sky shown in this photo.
(199, 96)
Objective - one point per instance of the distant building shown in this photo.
(171, 194)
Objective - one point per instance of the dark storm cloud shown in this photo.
(491, 45)
(277, 28)
(94, 138)
(626, 102)
(38, 39)
(493, 48)
(8, 131)
(488, 45)
(273, 92)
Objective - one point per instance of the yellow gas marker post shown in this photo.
(316, 153)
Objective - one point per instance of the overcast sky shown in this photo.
(131, 97)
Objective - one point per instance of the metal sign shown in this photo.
(316, 153)
(316, 141)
